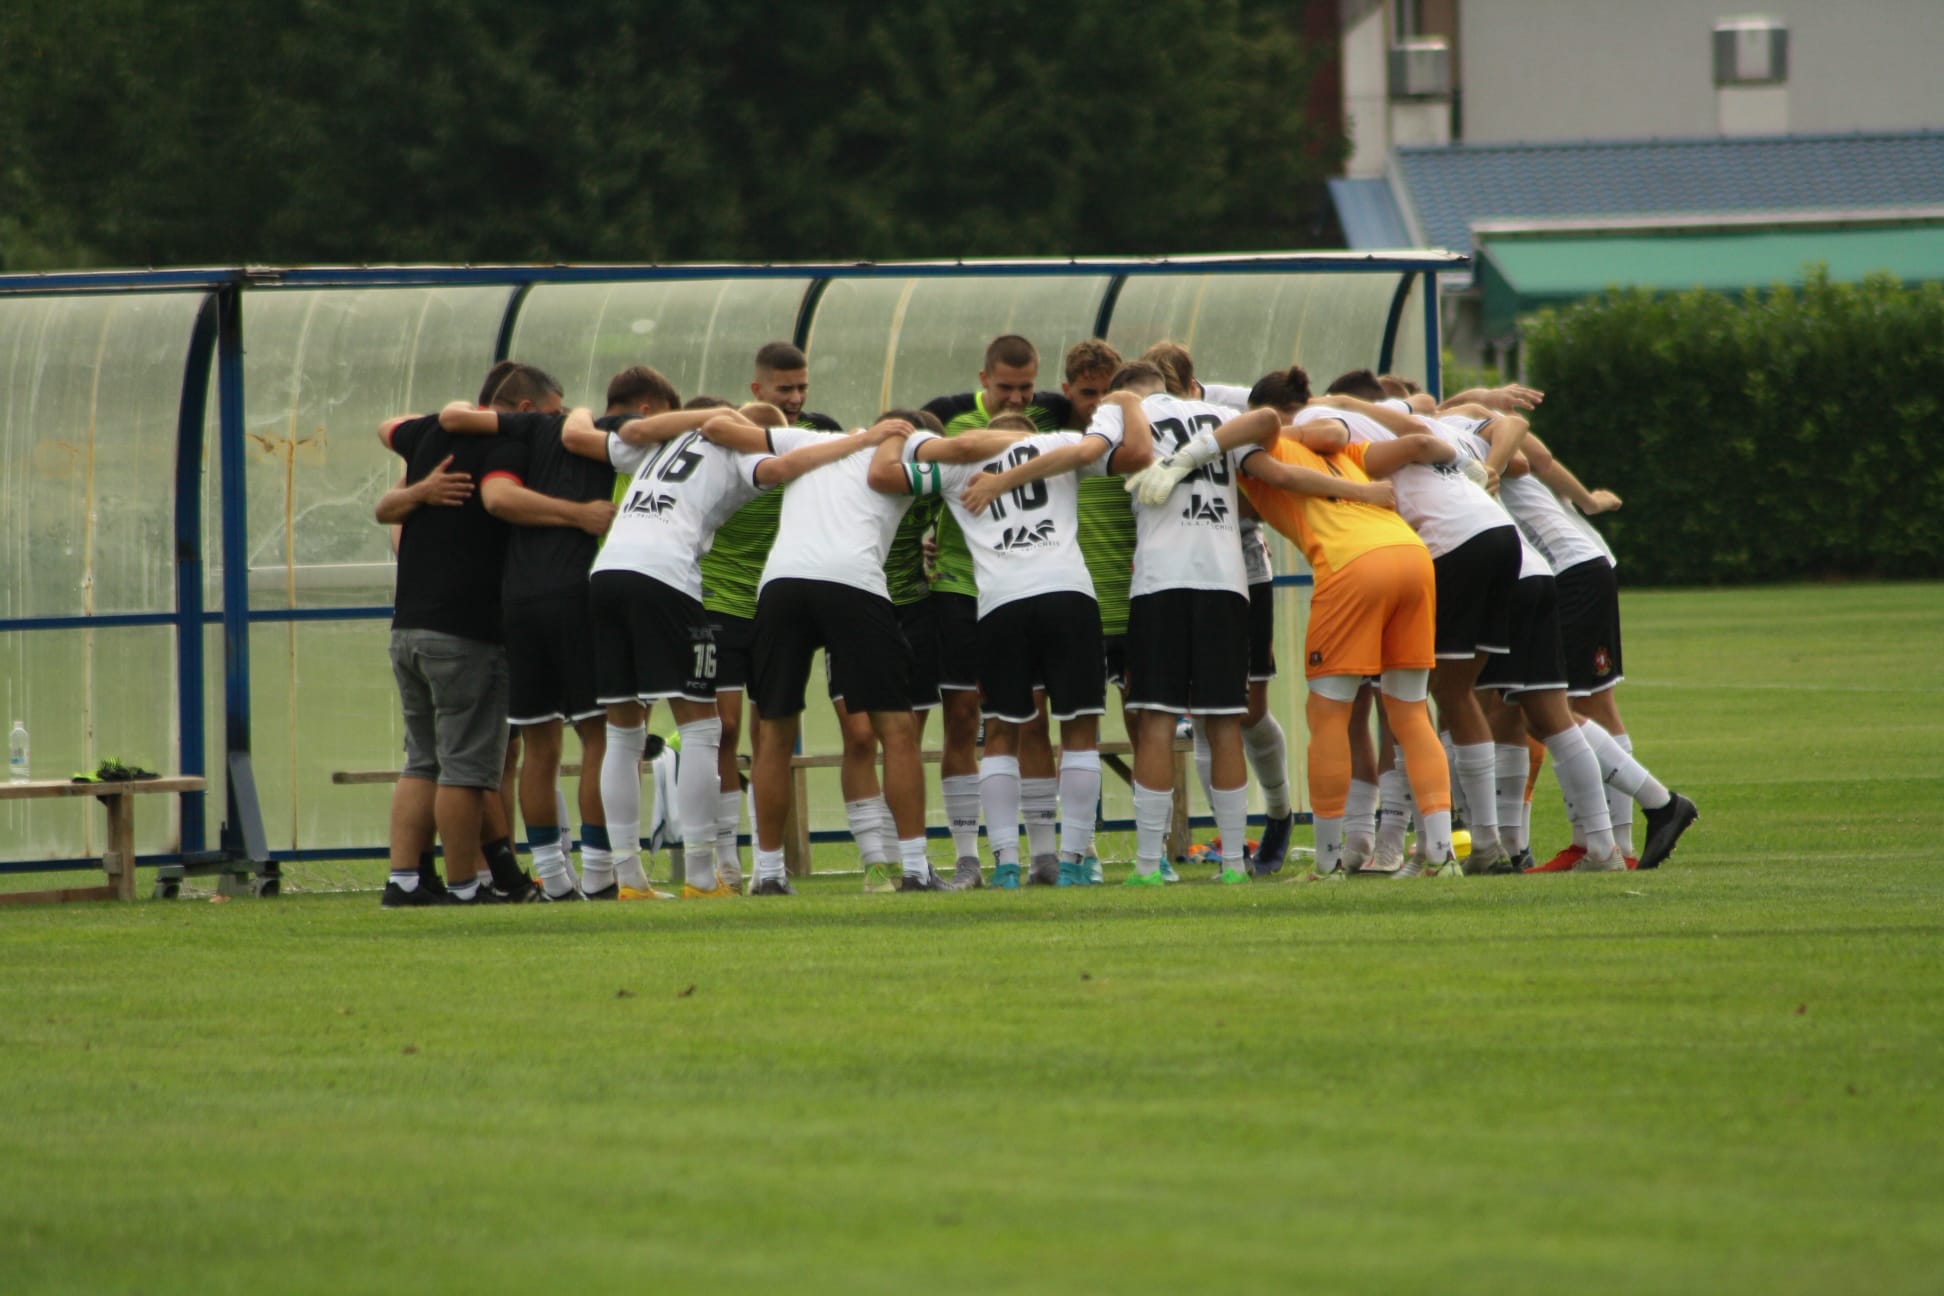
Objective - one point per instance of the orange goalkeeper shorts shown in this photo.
(1377, 613)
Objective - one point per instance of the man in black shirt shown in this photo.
(446, 652)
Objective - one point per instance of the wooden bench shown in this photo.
(118, 860)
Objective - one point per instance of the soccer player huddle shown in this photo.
(1001, 556)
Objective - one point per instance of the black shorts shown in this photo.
(1536, 660)
(1049, 641)
(650, 641)
(1262, 631)
(550, 659)
(870, 662)
(1475, 583)
(919, 621)
(1188, 652)
(733, 637)
(955, 620)
(1589, 626)
(1114, 652)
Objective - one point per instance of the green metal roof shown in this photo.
(1518, 274)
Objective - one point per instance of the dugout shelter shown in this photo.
(187, 472)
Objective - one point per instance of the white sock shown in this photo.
(1079, 800)
(697, 784)
(911, 853)
(769, 864)
(1451, 763)
(564, 819)
(1231, 807)
(1434, 836)
(866, 831)
(1620, 809)
(597, 860)
(961, 794)
(1269, 758)
(728, 820)
(550, 861)
(1578, 772)
(1510, 765)
(1360, 816)
(1153, 809)
(1473, 768)
(1204, 761)
(1622, 771)
(1393, 807)
(468, 889)
(408, 881)
(887, 825)
(1329, 844)
(999, 794)
(1039, 801)
(621, 802)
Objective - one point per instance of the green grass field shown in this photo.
(1724, 1076)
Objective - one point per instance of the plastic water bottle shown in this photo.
(17, 753)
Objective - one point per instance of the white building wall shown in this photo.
(1624, 69)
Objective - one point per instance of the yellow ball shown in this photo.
(1461, 843)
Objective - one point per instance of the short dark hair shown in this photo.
(1399, 386)
(1010, 349)
(1091, 356)
(1139, 371)
(1013, 423)
(509, 382)
(638, 383)
(774, 356)
(1176, 365)
(917, 418)
(762, 414)
(1361, 383)
(1284, 387)
(705, 402)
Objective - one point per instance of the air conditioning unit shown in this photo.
(1420, 68)
(1750, 51)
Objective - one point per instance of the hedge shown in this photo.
(1788, 434)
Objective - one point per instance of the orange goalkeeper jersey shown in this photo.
(1330, 531)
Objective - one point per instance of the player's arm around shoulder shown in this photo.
(1299, 480)
(778, 470)
(1382, 458)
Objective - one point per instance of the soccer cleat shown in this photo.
(1384, 861)
(930, 882)
(1411, 867)
(1562, 862)
(772, 886)
(1613, 862)
(1664, 828)
(1494, 862)
(566, 897)
(1355, 856)
(878, 880)
(612, 891)
(1334, 875)
(730, 872)
(1168, 874)
(1451, 868)
(652, 893)
(1091, 872)
(1072, 873)
(1045, 871)
(1233, 877)
(1138, 878)
(720, 891)
(966, 875)
(1006, 876)
(396, 897)
(1522, 862)
(1632, 863)
(1273, 849)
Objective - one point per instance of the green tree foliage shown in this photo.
(213, 131)
(1781, 435)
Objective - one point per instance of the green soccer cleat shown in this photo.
(1232, 877)
(1138, 878)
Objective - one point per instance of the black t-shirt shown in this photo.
(448, 558)
(542, 561)
(818, 422)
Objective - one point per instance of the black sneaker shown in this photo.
(547, 897)
(397, 897)
(482, 895)
(1664, 828)
(930, 882)
(1273, 849)
(612, 891)
(520, 889)
(772, 886)
(1524, 859)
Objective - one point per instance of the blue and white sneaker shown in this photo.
(1005, 877)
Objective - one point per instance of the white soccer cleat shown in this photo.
(1615, 862)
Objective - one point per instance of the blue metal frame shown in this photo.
(218, 335)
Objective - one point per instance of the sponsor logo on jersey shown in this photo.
(1212, 511)
(654, 505)
(1602, 662)
(1038, 536)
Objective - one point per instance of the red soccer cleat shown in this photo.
(1562, 862)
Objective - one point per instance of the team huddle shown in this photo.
(1001, 556)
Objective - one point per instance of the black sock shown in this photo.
(503, 863)
(429, 874)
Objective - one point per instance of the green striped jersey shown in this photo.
(1049, 412)
(1107, 543)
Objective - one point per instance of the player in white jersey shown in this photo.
(652, 637)
(824, 587)
(1038, 621)
(1475, 551)
(1588, 620)
(1262, 734)
(1188, 629)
